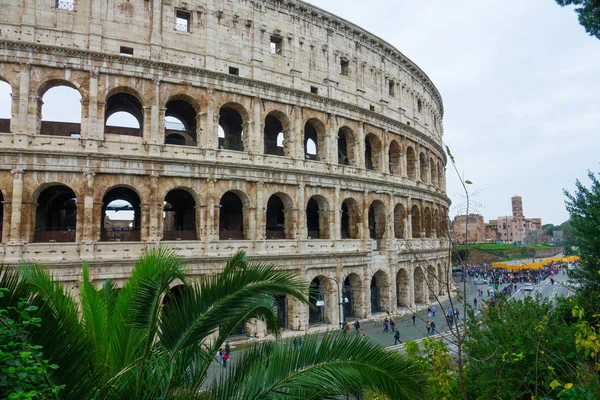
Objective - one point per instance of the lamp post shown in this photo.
(341, 301)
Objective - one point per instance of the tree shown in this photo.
(143, 342)
(584, 209)
(588, 14)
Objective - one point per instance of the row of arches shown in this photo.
(56, 215)
(60, 113)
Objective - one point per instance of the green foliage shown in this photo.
(435, 362)
(519, 348)
(142, 342)
(584, 208)
(23, 371)
(588, 12)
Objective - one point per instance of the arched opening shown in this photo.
(179, 216)
(440, 172)
(231, 129)
(419, 286)
(277, 224)
(436, 224)
(346, 147)
(377, 221)
(395, 157)
(56, 215)
(350, 219)
(411, 163)
(5, 106)
(399, 221)
(120, 216)
(351, 296)
(317, 218)
(313, 140)
(231, 217)
(322, 298)
(372, 152)
(423, 168)
(61, 112)
(123, 115)
(432, 172)
(173, 296)
(415, 217)
(427, 220)
(275, 136)
(379, 292)
(180, 123)
(431, 282)
(402, 288)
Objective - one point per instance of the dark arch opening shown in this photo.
(56, 215)
(427, 222)
(312, 219)
(275, 218)
(423, 168)
(378, 287)
(399, 221)
(349, 220)
(415, 217)
(316, 313)
(346, 147)
(411, 165)
(402, 289)
(179, 216)
(231, 217)
(351, 292)
(274, 136)
(61, 112)
(231, 132)
(120, 216)
(311, 142)
(180, 123)
(123, 115)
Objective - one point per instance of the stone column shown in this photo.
(155, 207)
(408, 219)
(331, 138)
(360, 145)
(94, 130)
(21, 132)
(301, 232)
(260, 214)
(17, 202)
(336, 224)
(210, 210)
(296, 134)
(411, 284)
(87, 231)
(257, 128)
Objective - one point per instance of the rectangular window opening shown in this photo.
(68, 5)
(345, 67)
(314, 90)
(182, 21)
(419, 106)
(392, 87)
(276, 45)
(126, 51)
(234, 71)
(372, 107)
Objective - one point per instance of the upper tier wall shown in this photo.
(287, 43)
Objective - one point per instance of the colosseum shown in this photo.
(212, 126)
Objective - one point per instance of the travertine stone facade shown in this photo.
(254, 85)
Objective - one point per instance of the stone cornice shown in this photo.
(161, 65)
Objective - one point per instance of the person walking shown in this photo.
(428, 326)
(300, 344)
(357, 326)
(392, 324)
(429, 312)
(385, 325)
(225, 358)
(220, 357)
(475, 302)
(432, 327)
(414, 318)
(456, 314)
(397, 337)
(433, 310)
(227, 348)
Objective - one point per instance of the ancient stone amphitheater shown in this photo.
(211, 126)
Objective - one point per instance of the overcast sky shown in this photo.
(520, 82)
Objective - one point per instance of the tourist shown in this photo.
(357, 326)
(392, 324)
(457, 314)
(428, 326)
(385, 325)
(433, 311)
(475, 302)
(432, 326)
(414, 318)
(397, 338)
(300, 344)
(225, 358)
(220, 357)
(227, 348)
(429, 312)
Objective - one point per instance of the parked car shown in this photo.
(480, 281)
(528, 287)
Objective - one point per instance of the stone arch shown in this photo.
(277, 134)
(314, 140)
(233, 220)
(437, 227)
(350, 219)
(124, 112)
(377, 217)
(432, 282)
(379, 292)
(403, 288)
(321, 289)
(440, 172)
(179, 216)
(442, 279)
(279, 217)
(181, 120)
(423, 167)
(432, 172)
(174, 295)
(56, 214)
(233, 118)
(395, 158)
(415, 216)
(59, 108)
(399, 217)
(125, 228)
(351, 295)
(372, 152)
(411, 163)
(346, 146)
(5, 105)
(317, 217)
(419, 285)
(427, 221)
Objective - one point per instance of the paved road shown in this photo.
(547, 289)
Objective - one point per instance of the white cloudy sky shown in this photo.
(520, 82)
